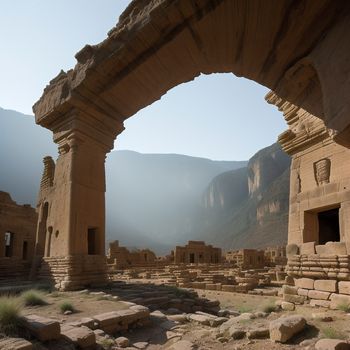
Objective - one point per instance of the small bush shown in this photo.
(33, 297)
(331, 333)
(244, 308)
(10, 319)
(106, 343)
(66, 306)
(269, 307)
(344, 307)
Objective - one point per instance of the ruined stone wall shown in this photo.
(17, 237)
(197, 252)
(120, 257)
(275, 256)
(246, 258)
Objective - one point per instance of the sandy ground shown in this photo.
(204, 337)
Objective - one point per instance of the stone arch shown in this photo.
(159, 44)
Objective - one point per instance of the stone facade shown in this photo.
(70, 261)
(275, 256)
(197, 252)
(121, 257)
(246, 258)
(319, 212)
(160, 44)
(17, 237)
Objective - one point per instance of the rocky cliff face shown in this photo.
(248, 207)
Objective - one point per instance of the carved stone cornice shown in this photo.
(298, 137)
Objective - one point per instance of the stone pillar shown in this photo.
(76, 215)
(344, 224)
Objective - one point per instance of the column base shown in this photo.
(74, 272)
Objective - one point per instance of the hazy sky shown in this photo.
(217, 116)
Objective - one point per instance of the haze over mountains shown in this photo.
(159, 200)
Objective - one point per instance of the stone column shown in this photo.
(76, 200)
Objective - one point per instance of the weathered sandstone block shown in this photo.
(332, 344)
(344, 287)
(316, 294)
(282, 329)
(82, 337)
(339, 300)
(296, 299)
(15, 344)
(338, 248)
(42, 328)
(306, 283)
(326, 285)
(289, 290)
(318, 302)
(307, 248)
(303, 292)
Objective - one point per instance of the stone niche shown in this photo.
(17, 237)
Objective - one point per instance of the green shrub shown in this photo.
(331, 333)
(33, 297)
(244, 308)
(269, 307)
(344, 307)
(106, 343)
(66, 306)
(10, 318)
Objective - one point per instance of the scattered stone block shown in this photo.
(296, 299)
(235, 333)
(284, 328)
(217, 321)
(15, 344)
(42, 328)
(140, 345)
(259, 333)
(81, 337)
(201, 319)
(182, 345)
(332, 344)
(122, 342)
(285, 305)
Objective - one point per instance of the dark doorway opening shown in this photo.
(328, 226)
(9, 244)
(192, 258)
(92, 241)
(25, 250)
